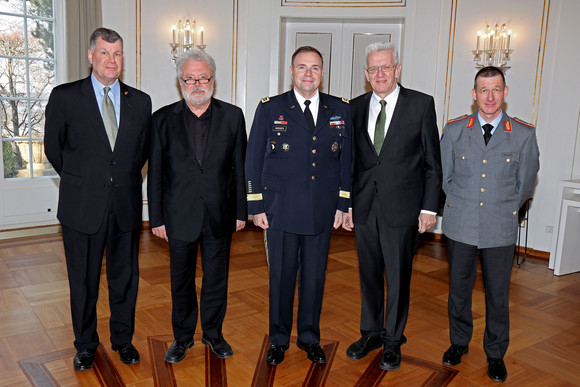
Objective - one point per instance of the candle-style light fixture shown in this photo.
(492, 47)
(186, 36)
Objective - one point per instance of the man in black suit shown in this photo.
(197, 196)
(395, 195)
(298, 170)
(97, 140)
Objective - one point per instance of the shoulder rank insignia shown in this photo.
(265, 99)
(345, 100)
(523, 122)
(457, 119)
(470, 122)
(508, 125)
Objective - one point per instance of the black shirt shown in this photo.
(197, 130)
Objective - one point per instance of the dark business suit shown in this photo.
(198, 204)
(299, 178)
(388, 192)
(485, 186)
(100, 201)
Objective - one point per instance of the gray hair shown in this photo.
(381, 46)
(108, 35)
(196, 56)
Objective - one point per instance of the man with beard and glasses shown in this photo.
(197, 196)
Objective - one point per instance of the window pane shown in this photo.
(40, 166)
(40, 39)
(15, 155)
(40, 8)
(12, 78)
(11, 35)
(12, 6)
(37, 118)
(13, 118)
(41, 78)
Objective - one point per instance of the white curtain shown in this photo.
(82, 18)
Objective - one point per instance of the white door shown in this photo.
(342, 44)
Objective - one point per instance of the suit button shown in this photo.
(201, 197)
(484, 175)
(515, 212)
(314, 164)
(485, 161)
(508, 160)
(314, 138)
(462, 157)
(483, 190)
(481, 204)
(201, 171)
(378, 163)
(313, 177)
(313, 151)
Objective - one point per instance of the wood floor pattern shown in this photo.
(36, 334)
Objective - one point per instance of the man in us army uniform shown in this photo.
(490, 162)
(298, 172)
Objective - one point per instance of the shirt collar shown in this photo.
(98, 86)
(493, 123)
(301, 99)
(391, 98)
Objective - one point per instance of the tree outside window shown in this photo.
(27, 74)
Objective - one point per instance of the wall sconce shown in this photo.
(185, 37)
(493, 47)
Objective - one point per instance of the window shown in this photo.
(27, 76)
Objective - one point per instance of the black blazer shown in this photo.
(179, 190)
(76, 144)
(406, 175)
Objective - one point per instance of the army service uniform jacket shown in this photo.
(486, 185)
(297, 177)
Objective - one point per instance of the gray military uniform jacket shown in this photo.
(486, 185)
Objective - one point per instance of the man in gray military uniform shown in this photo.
(490, 162)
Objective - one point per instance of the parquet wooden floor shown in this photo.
(36, 335)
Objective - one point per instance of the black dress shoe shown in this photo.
(363, 346)
(496, 370)
(219, 346)
(177, 351)
(391, 359)
(315, 353)
(84, 359)
(453, 355)
(276, 354)
(127, 352)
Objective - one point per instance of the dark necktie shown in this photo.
(109, 118)
(308, 114)
(487, 134)
(380, 127)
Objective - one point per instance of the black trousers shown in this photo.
(385, 253)
(496, 267)
(291, 255)
(84, 257)
(215, 257)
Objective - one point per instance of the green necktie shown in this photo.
(380, 128)
(109, 118)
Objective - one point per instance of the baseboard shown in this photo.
(30, 231)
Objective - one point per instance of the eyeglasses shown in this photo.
(192, 81)
(385, 68)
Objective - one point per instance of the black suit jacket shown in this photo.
(77, 146)
(180, 190)
(406, 175)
